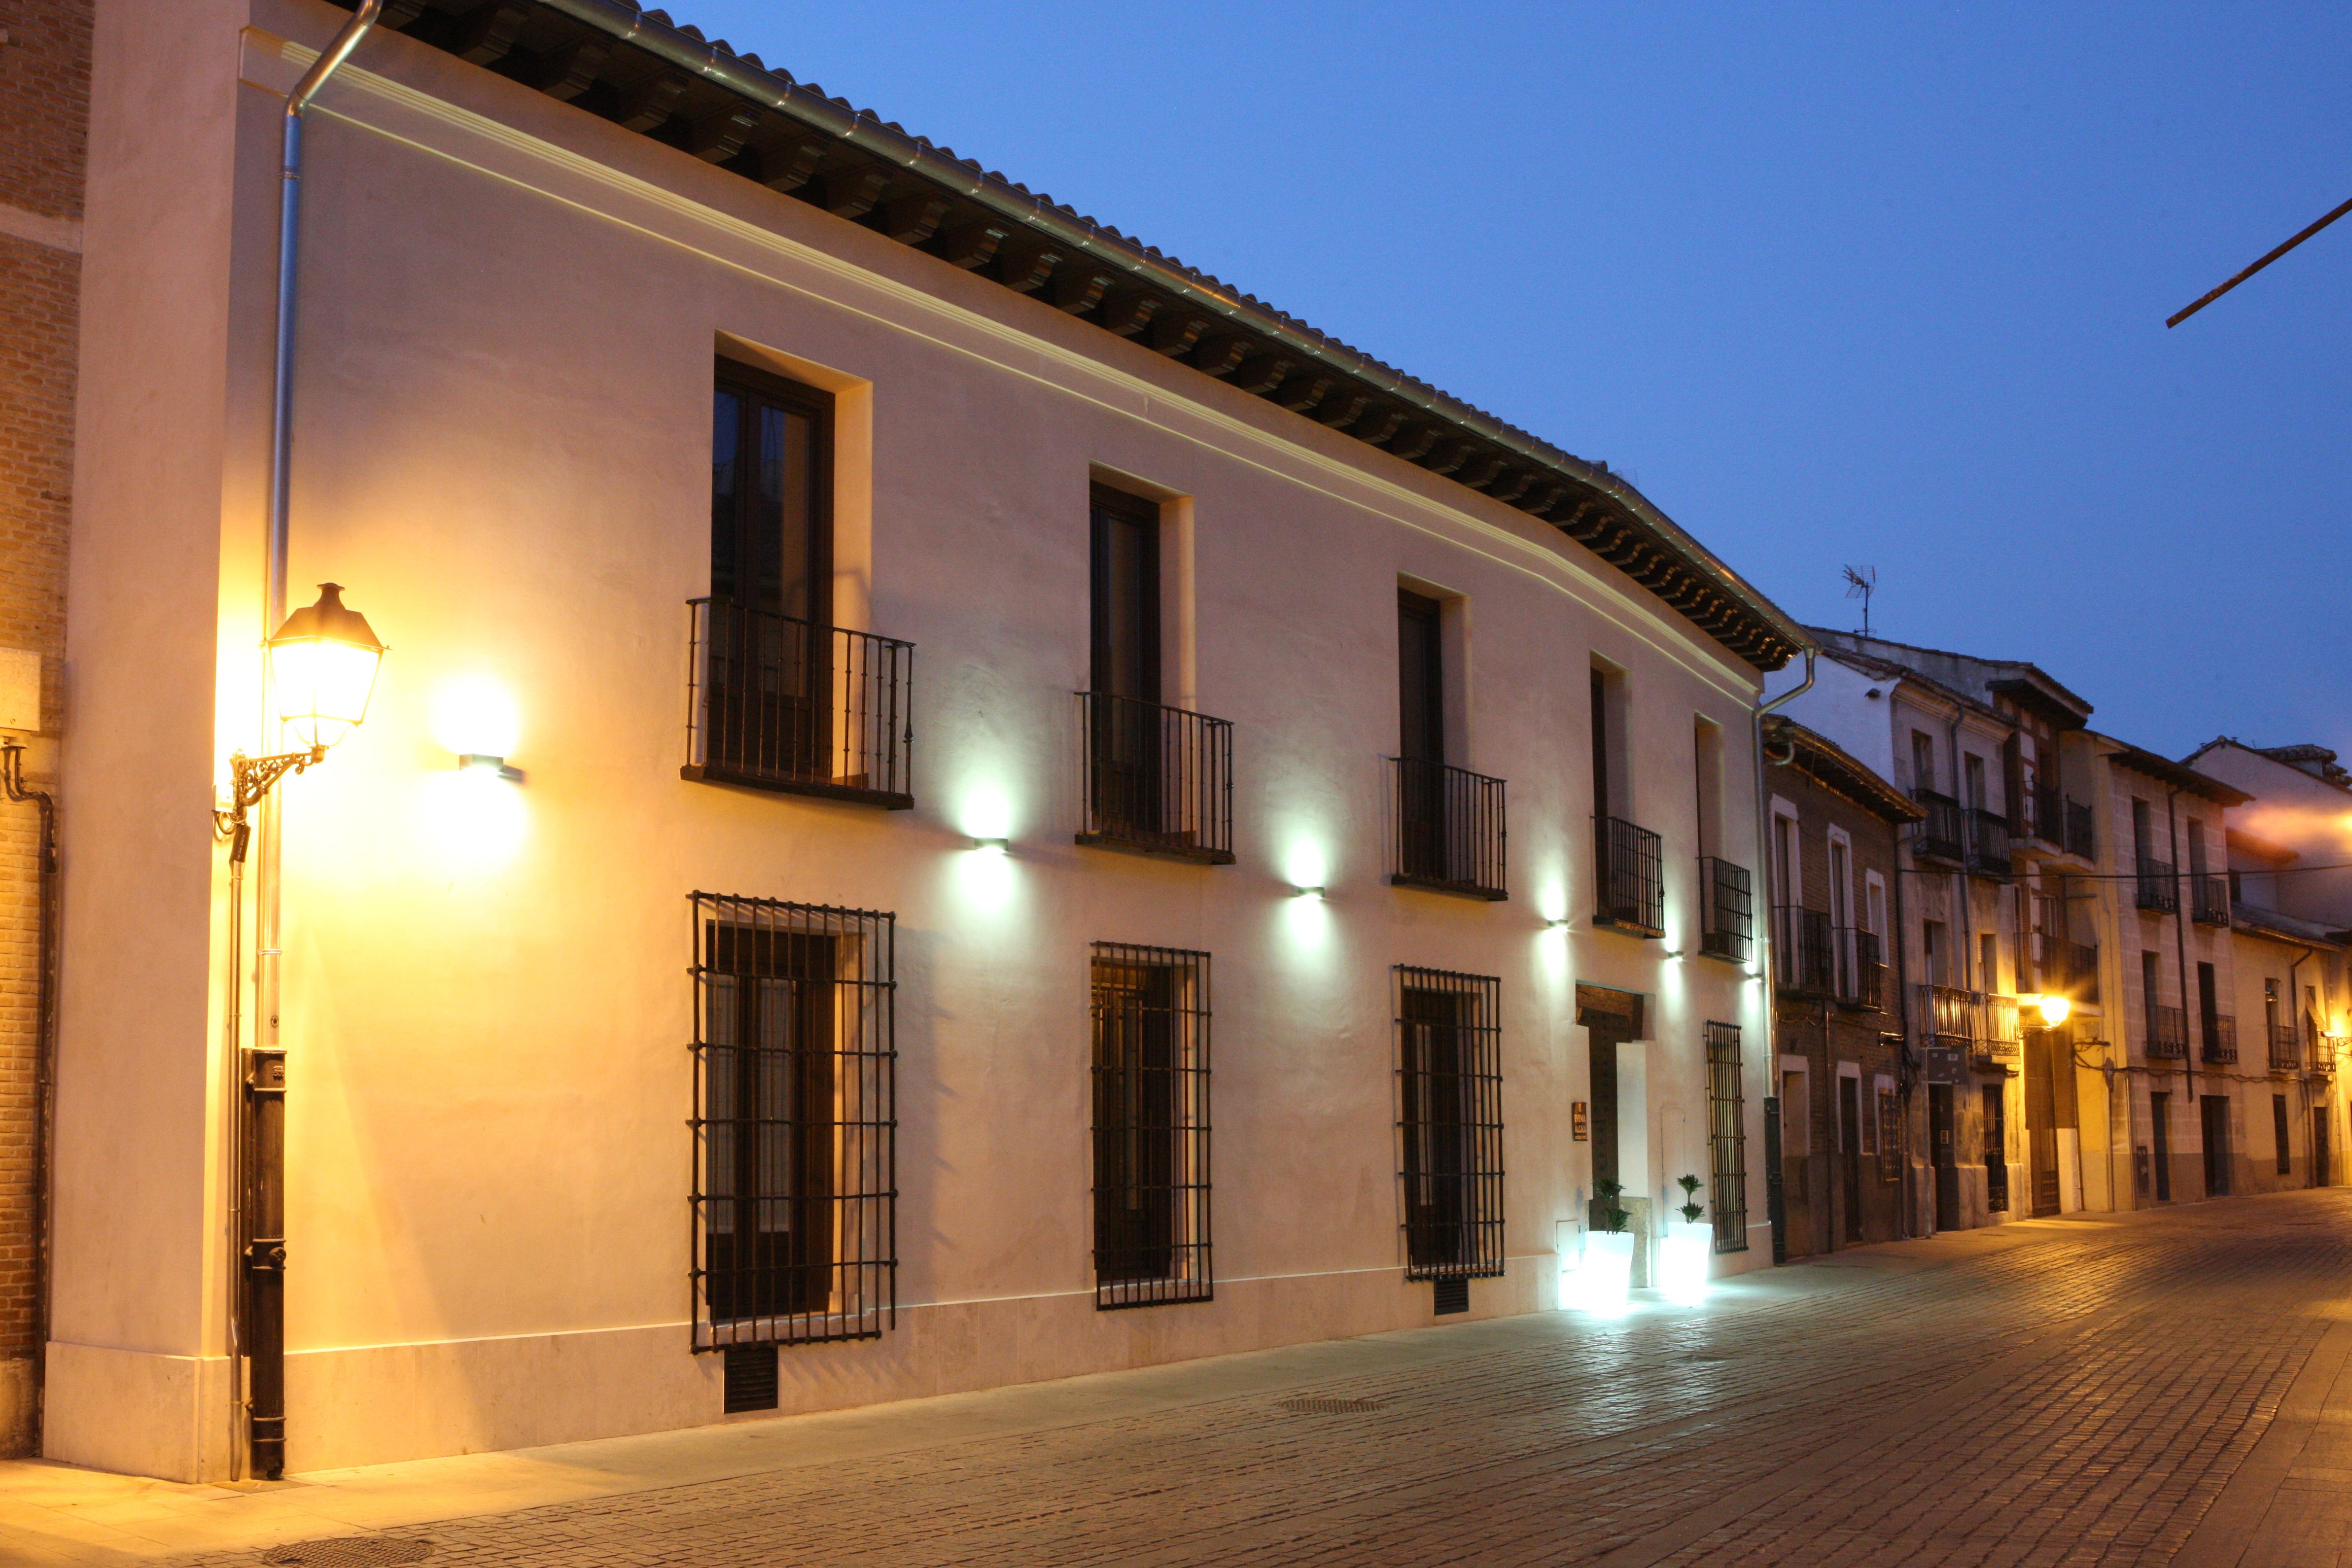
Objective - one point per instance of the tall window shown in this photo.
(1923, 760)
(2141, 832)
(1150, 1125)
(1934, 951)
(795, 1064)
(770, 667)
(1449, 1123)
(1727, 1128)
(1421, 737)
(1707, 748)
(1973, 768)
(1126, 731)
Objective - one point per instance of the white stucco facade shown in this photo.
(511, 315)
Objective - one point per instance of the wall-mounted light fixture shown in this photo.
(2055, 1010)
(322, 668)
(999, 846)
(1306, 893)
(482, 762)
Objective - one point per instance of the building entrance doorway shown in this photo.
(2213, 1110)
(1943, 1150)
(1610, 1018)
(2159, 1116)
(2042, 1053)
(1850, 1155)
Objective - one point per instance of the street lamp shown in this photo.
(322, 665)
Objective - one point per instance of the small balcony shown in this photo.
(1988, 845)
(2209, 898)
(2159, 887)
(2000, 1036)
(1158, 780)
(1804, 964)
(1943, 836)
(1632, 880)
(2219, 1039)
(2168, 1034)
(2078, 839)
(1727, 910)
(2286, 1047)
(789, 705)
(1861, 971)
(1447, 830)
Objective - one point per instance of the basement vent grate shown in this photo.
(751, 1377)
(1323, 1405)
(1452, 1295)
(349, 1552)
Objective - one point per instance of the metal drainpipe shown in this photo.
(259, 1331)
(45, 1035)
(1764, 876)
(1902, 967)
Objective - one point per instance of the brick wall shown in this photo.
(44, 116)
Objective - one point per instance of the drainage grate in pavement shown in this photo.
(349, 1552)
(1319, 1404)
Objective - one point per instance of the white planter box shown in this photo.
(1608, 1272)
(1686, 1256)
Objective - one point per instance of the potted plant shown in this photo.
(1608, 1250)
(1686, 1255)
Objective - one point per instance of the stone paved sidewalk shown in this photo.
(2056, 1392)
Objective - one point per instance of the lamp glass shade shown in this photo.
(323, 666)
(2055, 1010)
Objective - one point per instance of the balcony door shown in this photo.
(1124, 670)
(1421, 736)
(770, 669)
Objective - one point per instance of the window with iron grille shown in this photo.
(794, 1121)
(1727, 1127)
(1151, 1126)
(1449, 1123)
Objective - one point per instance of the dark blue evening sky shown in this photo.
(1879, 285)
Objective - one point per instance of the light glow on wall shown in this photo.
(476, 716)
(474, 820)
(986, 878)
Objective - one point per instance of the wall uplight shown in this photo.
(1003, 846)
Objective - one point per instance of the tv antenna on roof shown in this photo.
(2178, 316)
(1861, 582)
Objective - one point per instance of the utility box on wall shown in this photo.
(20, 691)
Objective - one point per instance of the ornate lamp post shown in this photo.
(322, 668)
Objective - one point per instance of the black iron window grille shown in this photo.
(1449, 1123)
(1156, 779)
(1631, 878)
(1942, 836)
(2159, 888)
(1449, 833)
(2209, 899)
(2168, 1032)
(2286, 1047)
(1726, 1137)
(1989, 844)
(1151, 1126)
(1802, 962)
(1727, 910)
(2220, 1042)
(795, 1176)
(776, 702)
(2078, 829)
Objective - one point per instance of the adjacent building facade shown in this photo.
(44, 113)
(1842, 1087)
(953, 801)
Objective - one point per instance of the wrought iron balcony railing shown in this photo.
(2286, 1047)
(2078, 830)
(1447, 830)
(1727, 910)
(1946, 1015)
(2209, 898)
(1155, 779)
(1803, 961)
(1861, 972)
(2159, 886)
(2168, 1032)
(2219, 1038)
(1631, 878)
(1989, 844)
(1943, 836)
(779, 704)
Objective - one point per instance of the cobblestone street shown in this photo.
(2158, 1390)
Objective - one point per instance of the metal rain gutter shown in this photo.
(859, 129)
